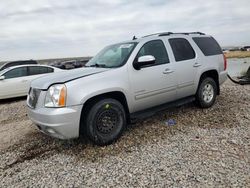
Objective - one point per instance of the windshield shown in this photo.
(112, 56)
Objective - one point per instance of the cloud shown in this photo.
(51, 28)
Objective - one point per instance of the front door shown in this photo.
(15, 83)
(155, 84)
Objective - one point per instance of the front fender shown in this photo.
(101, 92)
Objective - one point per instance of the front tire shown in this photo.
(105, 122)
(206, 93)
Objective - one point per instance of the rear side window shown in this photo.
(208, 45)
(15, 73)
(182, 49)
(157, 49)
(39, 70)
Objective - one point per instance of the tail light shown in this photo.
(225, 62)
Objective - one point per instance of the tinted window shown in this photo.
(15, 73)
(208, 45)
(182, 49)
(39, 70)
(157, 49)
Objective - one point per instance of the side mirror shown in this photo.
(144, 61)
(2, 77)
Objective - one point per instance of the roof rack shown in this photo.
(187, 33)
(171, 33)
(167, 33)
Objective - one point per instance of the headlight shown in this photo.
(56, 96)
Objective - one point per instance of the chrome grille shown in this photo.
(33, 97)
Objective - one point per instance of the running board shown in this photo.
(152, 111)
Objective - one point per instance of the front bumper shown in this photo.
(62, 123)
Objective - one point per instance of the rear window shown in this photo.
(208, 45)
(182, 49)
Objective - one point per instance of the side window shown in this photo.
(182, 49)
(208, 45)
(157, 49)
(39, 70)
(15, 73)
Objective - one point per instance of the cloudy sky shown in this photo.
(40, 29)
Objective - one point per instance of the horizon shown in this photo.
(84, 56)
(49, 29)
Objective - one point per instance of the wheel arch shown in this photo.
(213, 73)
(117, 95)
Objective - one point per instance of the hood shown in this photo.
(64, 76)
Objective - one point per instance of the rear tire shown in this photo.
(105, 121)
(206, 93)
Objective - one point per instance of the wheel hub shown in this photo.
(208, 93)
(107, 121)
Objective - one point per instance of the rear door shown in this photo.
(186, 65)
(14, 83)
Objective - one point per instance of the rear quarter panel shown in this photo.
(213, 62)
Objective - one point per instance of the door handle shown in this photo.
(24, 80)
(196, 64)
(167, 71)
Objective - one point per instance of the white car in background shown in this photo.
(15, 81)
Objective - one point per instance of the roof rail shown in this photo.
(167, 33)
(186, 33)
(171, 33)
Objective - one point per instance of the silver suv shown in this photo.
(127, 81)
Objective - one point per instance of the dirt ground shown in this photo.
(206, 147)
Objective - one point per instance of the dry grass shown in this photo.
(237, 54)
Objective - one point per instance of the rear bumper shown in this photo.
(62, 123)
(222, 77)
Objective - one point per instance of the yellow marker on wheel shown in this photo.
(107, 106)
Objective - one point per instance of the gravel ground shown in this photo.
(206, 148)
